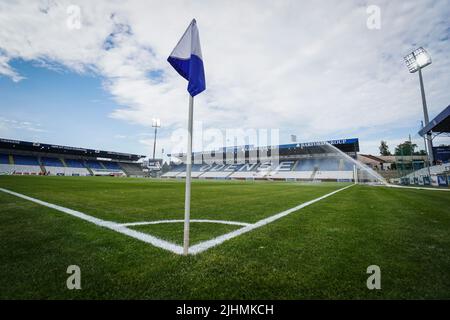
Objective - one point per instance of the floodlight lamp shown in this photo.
(417, 59)
(156, 123)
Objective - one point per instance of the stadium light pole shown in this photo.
(156, 123)
(416, 61)
(425, 146)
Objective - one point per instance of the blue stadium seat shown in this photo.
(321, 164)
(74, 163)
(111, 165)
(178, 168)
(305, 165)
(93, 164)
(51, 162)
(26, 160)
(4, 159)
(328, 164)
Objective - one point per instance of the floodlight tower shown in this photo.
(156, 123)
(416, 61)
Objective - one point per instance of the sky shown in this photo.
(94, 73)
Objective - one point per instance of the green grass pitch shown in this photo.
(321, 251)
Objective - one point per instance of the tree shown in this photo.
(384, 149)
(422, 153)
(405, 149)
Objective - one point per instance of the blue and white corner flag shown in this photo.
(187, 59)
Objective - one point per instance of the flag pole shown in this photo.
(187, 199)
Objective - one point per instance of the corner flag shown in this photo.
(187, 60)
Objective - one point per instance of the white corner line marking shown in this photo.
(202, 246)
(235, 223)
(106, 224)
(198, 248)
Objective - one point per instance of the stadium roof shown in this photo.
(440, 124)
(345, 145)
(57, 149)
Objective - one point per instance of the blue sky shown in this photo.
(57, 105)
(313, 69)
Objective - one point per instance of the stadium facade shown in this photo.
(312, 161)
(34, 158)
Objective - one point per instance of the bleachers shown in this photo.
(94, 165)
(26, 157)
(5, 167)
(111, 165)
(246, 171)
(174, 171)
(26, 160)
(4, 159)
(54, 167)
(197, 170)
(26, 165)
(74, 163)
(322, 168)
(132, 169)
(221, 170)
(75, 167)
(104, 168)
(51, 162)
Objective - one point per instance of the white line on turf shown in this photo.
(216, 241)
(106, 224)
(198, 248)
(180, 221)
(417, 188)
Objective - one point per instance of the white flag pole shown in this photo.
(187, 199)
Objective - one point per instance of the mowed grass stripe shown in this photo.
(321, 253)
(132, 200)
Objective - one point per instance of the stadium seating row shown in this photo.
(304, 169)
(20, 164)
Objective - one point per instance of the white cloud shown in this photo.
(288, 64)
(6, 125)
(6, 70)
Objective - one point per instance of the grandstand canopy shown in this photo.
(440, 124)
(345, 145)
(9, 144)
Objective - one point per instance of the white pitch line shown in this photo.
(198, 248)
(417, 188)
(202, 246)
(236, 223)
(106, 224)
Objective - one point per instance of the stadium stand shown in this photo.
(22, 164)
(132, 169)
(197, 171)
(111, 165)
(306, 161)
(52, 166)
(74, 163)
(174, 171)
(220, 170)
(438, 174)
(75, 167)
(51, 162)
(22, 157)
(103, 168)
(4, 159)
